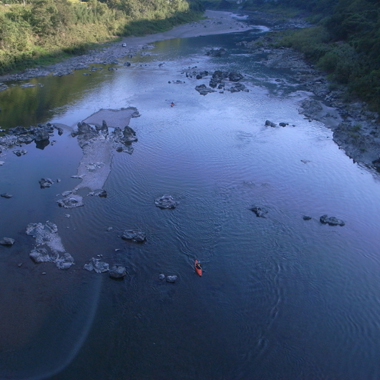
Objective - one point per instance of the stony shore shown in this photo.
(355, 128)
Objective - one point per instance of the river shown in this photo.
(280, 297)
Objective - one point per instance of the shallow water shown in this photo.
(280, 298)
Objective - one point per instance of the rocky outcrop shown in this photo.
(49, 247)
(222, 80)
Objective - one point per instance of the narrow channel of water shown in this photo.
(280, 298)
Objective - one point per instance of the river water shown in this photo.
(280, 298)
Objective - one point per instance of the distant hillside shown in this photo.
(36, 31)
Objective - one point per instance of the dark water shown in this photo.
(280, 298)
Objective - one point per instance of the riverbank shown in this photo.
(214, 22)
(355, 128)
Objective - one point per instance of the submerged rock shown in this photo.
(166, 202)
(331, 220)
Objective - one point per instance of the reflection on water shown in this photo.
(281, 297)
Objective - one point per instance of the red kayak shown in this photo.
(198, 267)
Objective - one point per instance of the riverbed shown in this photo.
(282, 296)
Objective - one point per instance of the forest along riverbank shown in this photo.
(355, 128)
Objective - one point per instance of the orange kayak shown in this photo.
(198, 267)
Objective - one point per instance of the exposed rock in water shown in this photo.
(49, 247)
(166, 202)
(260, 212)
(71, 201)
(45, 182)
(98, 193)
(20, 152)
(171, 278)
(118, 272)
(234, 76)
(7, 241)
(134, 235)
(216, 52)
(376, 164)
(6, 195)
(269, 123)
(331, 220)
(238, 87)
(203, 89)
(97, 266)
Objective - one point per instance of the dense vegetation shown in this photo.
(35, 30)
(344, 41)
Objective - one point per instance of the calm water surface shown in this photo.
(280, 298)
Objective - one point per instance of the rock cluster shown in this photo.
(25, 135)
